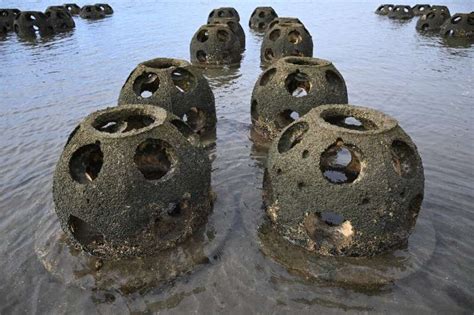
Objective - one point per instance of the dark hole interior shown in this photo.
(292, 136)
(183, 80)
(146, 84)
(154, 158)
(267, 76)
(298, 84)
(86, 163)
(85, 233)
(403, 158)
(340, 163)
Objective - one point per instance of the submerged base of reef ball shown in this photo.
(344, 181)
(60, 19)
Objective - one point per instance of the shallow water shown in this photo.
(48, 86)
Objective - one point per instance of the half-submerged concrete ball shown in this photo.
(432, 20)
(215, 45)
(401, 12)
(459, 25)
(226, 12)
(60, 18)
(420, 9)
(441, 8)
(176, 86)
(130, 182)
(32, 23)
(344, 180)
(286, 39)
(91, 12)
(290, 89)
(384, 9)
(261, 18)
(72, 8)
(234, 26)
(7, 16)
(105, 8)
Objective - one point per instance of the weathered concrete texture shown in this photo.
(7, 16)
(234, 26)
(420, 9)
(130, 182)
(286, 39)
(459, 25)
(60, 18)
(225, 12)
(432, 20)
(384, 9)
(176, 86)
(441, 8)
(344, 180)
(72, 8)
(105, 8)
(91, 12)
(261, 17)
(215, 45)
(401, 12)
(285, 20)
(292, 87)
(32, 23)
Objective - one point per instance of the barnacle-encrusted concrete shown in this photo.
(234, 26)
(420, 9)
(7, 16)
(31, 23)
(344, 180)
(175, 85)
(72, 8)
(459, 25)
(91, 12)
(131, 182)
(432, 20)
(261, 18)
(104, 7)
(401, 12)
(225, 12)
(215, 45)
(292, 87)
(286, 39)
(60, 18)
(285, 20)
(384, 9)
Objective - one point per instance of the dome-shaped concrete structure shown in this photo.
(72, 8)
(459, 25)
(31, 24)
(420, 9)
(401, 12)
(234, 26)
(105, 8)
(384, 9)
(261, 17)
(60, 18)
(432, 20)
(7, 17)
(224, 12)
(91, 12)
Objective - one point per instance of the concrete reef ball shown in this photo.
(104, 7)
(7, 16)
(215, 45)
(291, 88)
(60, 18)
(261, 18)
(91, 12)
(286, 20)
(345, 181)
(401, 12)
(441, 8)
(431, 21)
(226, 12)
(176, 86)
(384, 9)
(32, 23)
(459, 25)
(234, 26)
(72, 8)
(130, 183)
(286, 39)
(420, 9)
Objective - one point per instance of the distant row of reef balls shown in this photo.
(55, 19)
(433, 18)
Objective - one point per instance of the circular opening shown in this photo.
(203, 35)
(261, 14)
(269, 54)
(352, 122)
(403, 158)
(154, 158)
(223, 36)
(298, 84)
(292, 136)
(261, 25)
(196, 118)
(456, 19)
(146, 84)
(185, 130)
(294, 37)
(274, 34)
(334, 80)
(285, 118)
(305, 154)
(220, 13)
(183, 80)
(122, 121)
(340, 163)
(201, 56)
(267, 76)
(86, 162)
(87, 235)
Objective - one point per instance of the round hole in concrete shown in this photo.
(201, 56)
(261, 25)
(183, 80)
(285, 118)
(333, 79)
(223, 36)
(292, 136)
(269, 54)
(305, 154)
(203, 35)
(456, 19)
(184, 129)
(146, 84)
(340, 163)
(274, 35)
(196, 118)
(267, 76)
(298, 84)
(403, 158)
(86, 162)
(352, 122)
(294, 37)
(154, 158)
(261, 14)
(85, 233)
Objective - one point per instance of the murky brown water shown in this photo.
(235, 264)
